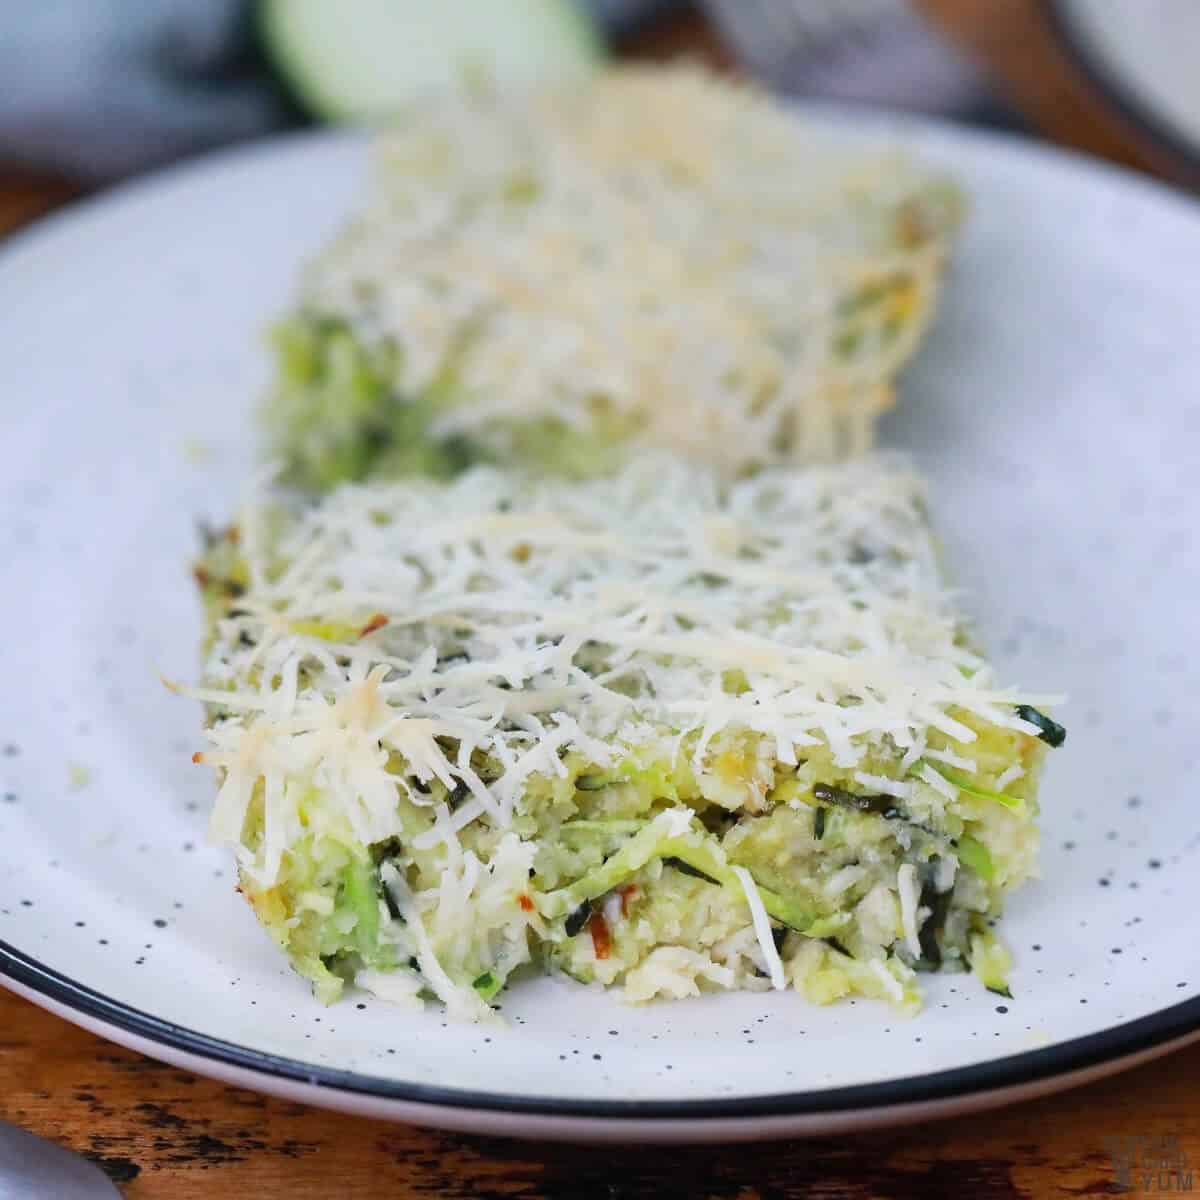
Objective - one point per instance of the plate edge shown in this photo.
(1142, 1034)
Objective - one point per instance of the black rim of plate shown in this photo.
(1030, 1066)
(1108, 1046)
(1135, 110)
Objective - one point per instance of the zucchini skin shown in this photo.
(307, 98)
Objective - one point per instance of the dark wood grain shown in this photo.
(164, 1133)
(1017, 42)
(24, 197)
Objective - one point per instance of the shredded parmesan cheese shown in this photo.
(526, 618)
(891, 985)
(762, 929)
(950, 759)
(1009, 775)
(910, 898)
(660, 255)
(938, 782)
(460, 1001)
(882, 783)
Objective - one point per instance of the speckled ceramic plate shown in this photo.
(1058, 412)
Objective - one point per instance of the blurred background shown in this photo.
(95, 91)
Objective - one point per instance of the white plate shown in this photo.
(1058, 411)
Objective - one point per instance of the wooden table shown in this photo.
(161, 1132)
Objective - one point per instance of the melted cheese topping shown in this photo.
(393, 630)
(661, 254)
